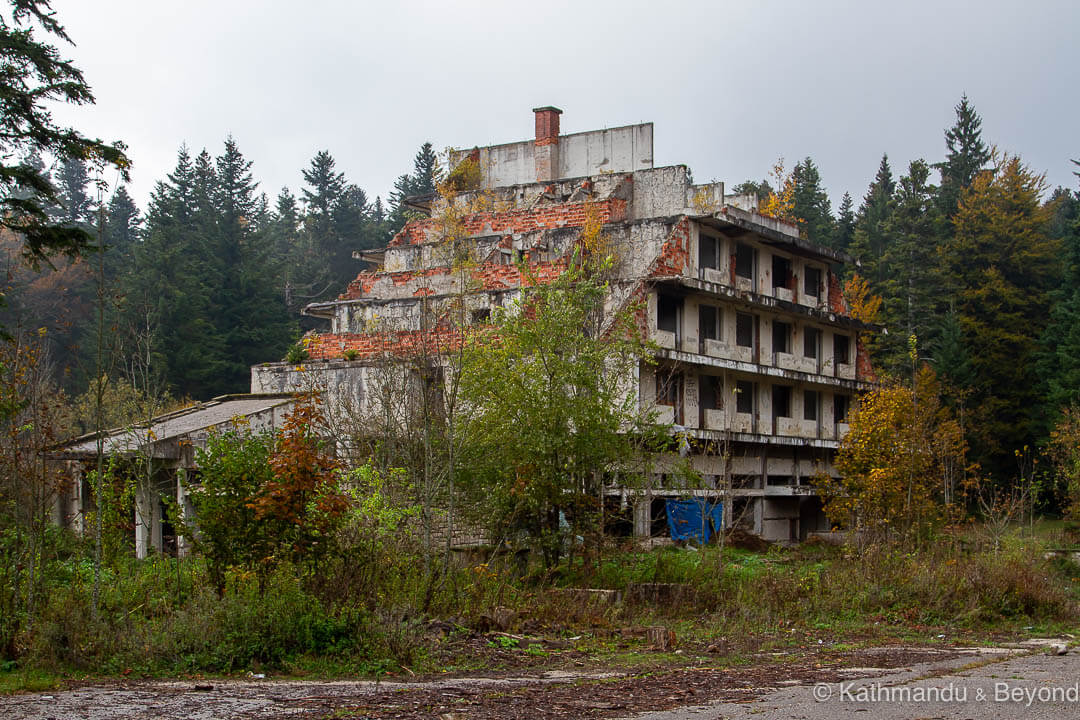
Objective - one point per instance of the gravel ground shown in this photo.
(553, 694)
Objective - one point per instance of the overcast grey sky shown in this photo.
(730, 85)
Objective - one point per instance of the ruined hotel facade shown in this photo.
(758, 358)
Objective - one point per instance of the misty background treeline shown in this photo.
(212, 274)
(978, 272)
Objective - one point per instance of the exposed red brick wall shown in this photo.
(401, 343)
(674, 254)
(863, 369)
(490, 276)
(836, 294)
(546, 217)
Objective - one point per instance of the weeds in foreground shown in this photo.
(150, 625)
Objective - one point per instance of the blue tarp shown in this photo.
(685, 522)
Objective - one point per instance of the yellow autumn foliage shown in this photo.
(899, 462)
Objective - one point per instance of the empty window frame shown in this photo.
(841, 404)
(781, 272)
(811, 342)
(841, 349)
(744, 330)
(480, 316)
(668, 388)
(708, 251)
(811, 401)
(781, 397)
(812, 282)
(667, 312)
(710, 322)
(781, 337)
(712, 392)
(744, 397)
(744, 261)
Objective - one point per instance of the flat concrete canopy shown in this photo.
(162, 437)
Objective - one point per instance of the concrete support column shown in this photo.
(643, 517)
(182, 511)
(144, 520)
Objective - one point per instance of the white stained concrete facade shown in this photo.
(758, 358)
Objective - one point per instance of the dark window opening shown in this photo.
(841, 349)
(481, 316)
(781, 480)
(667, 388)
(781, 337)
(781, 272)
(810, 405)
(709, 322)
(712, 392)
(744, 392)
(708, 252)
(810, 342)
(781, 398)
(744, 261)
(744, 330)
(812, 282)
(739, 482)
(841, 403)
(667, 313)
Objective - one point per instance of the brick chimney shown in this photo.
(546, 152)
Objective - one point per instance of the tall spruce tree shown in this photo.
(72, 182)
(420, 182)
(966, 154)
(1001, 266)
(910, 286)
(845, 224)
(811, 204)
(1059, 360)
(122, 228)
(870, 239)
(253, 320)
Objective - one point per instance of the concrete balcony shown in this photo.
(715, 348)
(665, 414)
(714, 275)
(782, 293)
(742, 422)
(715, 419)
(664, 338)
(796, 428)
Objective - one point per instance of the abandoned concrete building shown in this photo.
(168, 444)
(758, 358)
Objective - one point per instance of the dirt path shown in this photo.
(554, 694)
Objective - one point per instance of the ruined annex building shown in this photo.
(757, 351)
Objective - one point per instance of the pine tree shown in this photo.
(811, 204)
(253, 320)
(870, 239)
(420, 182)
(172, 281)
(910, 287)
(34, 77)
(425, 165)
(1059, 359)
(76, 207)
(845, 224)
(122, 228)
(1000, 267)
(966, 155)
